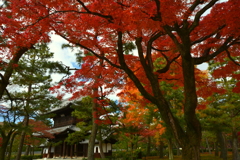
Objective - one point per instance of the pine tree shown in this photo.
(31, 81)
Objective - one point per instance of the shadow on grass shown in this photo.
(203, 157)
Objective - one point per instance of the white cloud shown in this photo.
(66, 56)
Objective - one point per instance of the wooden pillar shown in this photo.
(54, 152)
(42, 151)
(67, 150)
(49, 151)
(61, 150)
(75, 150)
(71, 151)
(64, 149)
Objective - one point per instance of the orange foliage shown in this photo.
(135, 112)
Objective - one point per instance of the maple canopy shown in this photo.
(167, 34)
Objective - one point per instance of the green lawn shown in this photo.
(203, 157)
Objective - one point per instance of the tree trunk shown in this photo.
(189, 137)
(33, 148)
(101, 148)
(190, 152)
(235, 155)
(170, 149)
(222, 143)
(3, 148)
(148, 146)
(93, 135)
(27, 150)
(20, 146)
(22, 139)
(209, 150)
(10, 146)
(161, 155)
(216, 149)
(178, 150)
(5, 140)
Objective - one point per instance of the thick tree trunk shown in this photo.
(170, 149)
(235, 154)
(222, 142)
(93, 135)
(190, 152)
(188, 138)
(3, 148)
(4, 144)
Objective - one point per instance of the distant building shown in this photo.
(64, 124)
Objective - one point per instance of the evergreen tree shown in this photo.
(30, 85)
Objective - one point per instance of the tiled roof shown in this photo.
(62, 129)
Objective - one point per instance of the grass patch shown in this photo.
(203, 157)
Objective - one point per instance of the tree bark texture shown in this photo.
(22, 138)
(20, 146)
(190, 137)
(93, 135)
(148, 146)
(235, 154)
(10, 146)
(5, 141)
(208, 147)
(170, 149)
(216, 149)
(101, 146)
(222, 142)
(27, 150)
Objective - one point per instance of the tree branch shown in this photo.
(166, 68)
(200, 13)
(88, 49)
(229, 56)
(208, 57)
(109, 18)
(129, 72)
(208, 36)
(157, 16)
